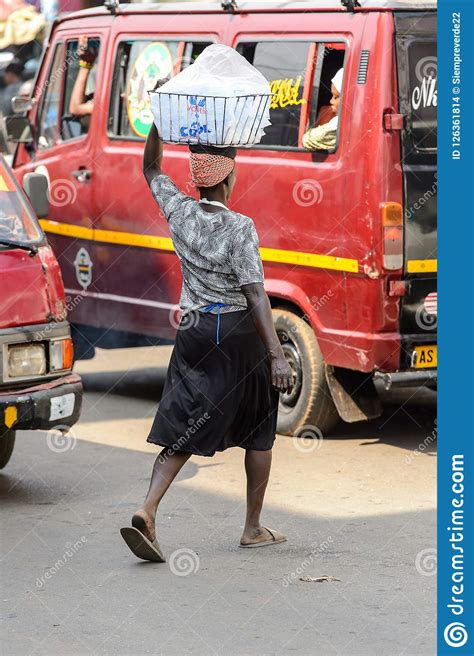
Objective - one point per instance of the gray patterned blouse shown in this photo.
(218, 251)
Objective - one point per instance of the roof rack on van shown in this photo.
(229, 5)
(112, 6)
(350, 5)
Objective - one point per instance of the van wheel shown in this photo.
(7, 442)
(309, 403)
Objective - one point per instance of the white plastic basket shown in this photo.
(238, 120)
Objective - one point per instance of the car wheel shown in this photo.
(309, 405)
(7, 442)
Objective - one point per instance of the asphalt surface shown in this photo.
(358, 506)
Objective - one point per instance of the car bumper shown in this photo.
(55, 404)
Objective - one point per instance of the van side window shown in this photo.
(138, 66)
(48, 124)
(79, 87)
(284, 64)
(299, 73)
(320, 128)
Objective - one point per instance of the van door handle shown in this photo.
(82, 175)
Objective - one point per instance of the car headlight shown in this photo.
(26, 360)
(61, 354)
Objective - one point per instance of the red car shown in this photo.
(347, 234)
(37, 387)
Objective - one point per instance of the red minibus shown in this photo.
(38, 389)
(347, 235)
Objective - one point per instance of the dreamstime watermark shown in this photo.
(421, 201)
(426, 562)
(71, 550)
(317, 303)
(425, 318)
(317, 550)
(455, 634)
(62, 192)
(307, 192)
(184, 562)
(60, 439)
(426, 67)
(308, 438)
(56, 74)
(183, 322)
(64, 308)
(421, 448)
(193, 427)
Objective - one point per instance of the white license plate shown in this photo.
(61, 406)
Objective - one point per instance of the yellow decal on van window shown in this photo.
(3, 184)
(286, 92)
(153, 63)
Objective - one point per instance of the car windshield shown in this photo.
(17, 222)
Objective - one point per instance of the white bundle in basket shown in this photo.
(220, 100)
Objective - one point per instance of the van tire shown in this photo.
(7, 443)
(309, 408)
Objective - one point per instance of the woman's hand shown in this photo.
(160, 82)
(86, 54)
(259, 306)
(282, 376)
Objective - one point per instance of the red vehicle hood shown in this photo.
(31, 288)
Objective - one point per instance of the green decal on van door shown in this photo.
(153, 63)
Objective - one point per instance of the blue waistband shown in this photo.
(214, 306)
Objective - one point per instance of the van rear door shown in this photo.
(417, 87)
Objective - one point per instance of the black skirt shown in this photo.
(217, 395)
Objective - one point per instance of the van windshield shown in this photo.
(17, 222)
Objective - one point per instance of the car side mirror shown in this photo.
(35, 186)
(22, 104)
(18, 129)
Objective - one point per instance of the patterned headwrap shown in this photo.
(209, 166)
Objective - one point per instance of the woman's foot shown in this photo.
(260, 536)
(145, 523)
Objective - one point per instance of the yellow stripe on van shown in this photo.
(309, 260)
(422, 266)
(134, 239)
(165, 244)
(67, 229)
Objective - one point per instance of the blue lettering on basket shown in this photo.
(195, 106)
(196, 128)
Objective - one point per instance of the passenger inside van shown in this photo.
(81, 103)
(323, 135)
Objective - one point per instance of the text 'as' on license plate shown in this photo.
(425, 357)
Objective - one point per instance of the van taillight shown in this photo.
(392, 226)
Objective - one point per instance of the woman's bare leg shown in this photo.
(257, 468)
(166, 467)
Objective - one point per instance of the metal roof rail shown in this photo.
(350, 5)
(112, 6)
(229, 5)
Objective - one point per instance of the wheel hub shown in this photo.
(290, 351)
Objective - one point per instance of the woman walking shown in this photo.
(227, 366)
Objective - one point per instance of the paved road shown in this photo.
(359, 507)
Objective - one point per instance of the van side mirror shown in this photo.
(35, 186)
(21, 104)
(18, 129)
